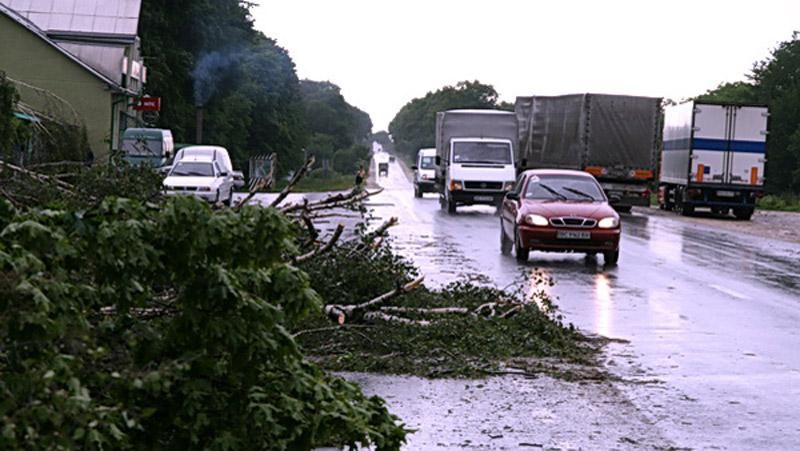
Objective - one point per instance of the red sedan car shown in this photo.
(559, 211)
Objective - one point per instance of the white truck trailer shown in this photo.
(713, 157)
(475, 156)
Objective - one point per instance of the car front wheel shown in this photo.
(521, 252)
(611, 257)
(505, 243)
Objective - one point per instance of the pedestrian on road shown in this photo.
(360, 175)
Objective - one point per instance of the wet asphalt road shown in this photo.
(713, 318)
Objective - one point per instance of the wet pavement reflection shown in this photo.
(712, 314)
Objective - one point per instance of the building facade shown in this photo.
(77, 61)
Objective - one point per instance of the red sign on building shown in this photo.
(148, 104)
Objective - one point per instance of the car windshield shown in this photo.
(563, 187)
(427, 162)
(193, 169)
(481, 152)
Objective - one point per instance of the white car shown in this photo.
(200, 176)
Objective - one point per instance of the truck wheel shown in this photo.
(451, 206)
(611, 257)
(505, 243)
(522, 253)
(229, 201)
(623, 208)
(744, 213)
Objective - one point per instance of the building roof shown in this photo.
(103, 17)
(30, 26)
(97, 32)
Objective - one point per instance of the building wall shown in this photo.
(24, 56)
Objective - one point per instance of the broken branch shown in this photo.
(308, 256)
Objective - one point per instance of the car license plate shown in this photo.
(484, 198)
(726, 194)
(573, 235)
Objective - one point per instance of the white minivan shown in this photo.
(202, 171)
(425, 172)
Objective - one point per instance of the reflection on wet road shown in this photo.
(712, 314)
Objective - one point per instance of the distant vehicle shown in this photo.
(613, 137)
(425, 172)
(475, 156)
(382, 161)
(218, 154)
(713, 158)
(559, 211)
(201, 176)
(152, 146)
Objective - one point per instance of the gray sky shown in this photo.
(383, 53)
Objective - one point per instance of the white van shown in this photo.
(425, 172)
(216, 153)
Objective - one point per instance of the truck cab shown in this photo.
(480, 171)
(475, 157)
(425, 172)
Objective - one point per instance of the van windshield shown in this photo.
(193, 169)
(427, 163)
(481, 152)
(142, 146)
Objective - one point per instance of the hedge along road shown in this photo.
(712, 319)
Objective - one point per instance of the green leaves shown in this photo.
(414, 125)
(129, 326)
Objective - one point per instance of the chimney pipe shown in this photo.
(199, 126)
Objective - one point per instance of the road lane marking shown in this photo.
(730, 292)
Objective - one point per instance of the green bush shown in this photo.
(136, 326)
(780, 202)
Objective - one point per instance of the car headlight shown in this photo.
(455, 186)
(608, 223)
(537, 220)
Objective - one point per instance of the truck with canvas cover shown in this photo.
(713, 157)
(616, 138)
(474, 156)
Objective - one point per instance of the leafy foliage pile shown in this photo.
(454, 345)
(775, 82)
(414, 126)
(135, 326)
(87, 186)
(206, 52)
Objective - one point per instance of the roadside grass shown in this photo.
(452, 345)
(780, 202)
(320, 184)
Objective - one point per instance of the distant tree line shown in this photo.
(414, 126)
(775, 82)
(206, 53)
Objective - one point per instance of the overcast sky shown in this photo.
(383, 53)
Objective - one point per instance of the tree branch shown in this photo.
(306, 257)
(295, 179)
(340, 313)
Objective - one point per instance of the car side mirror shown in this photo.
(512, 196)
(414, 168)
(438, 160)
